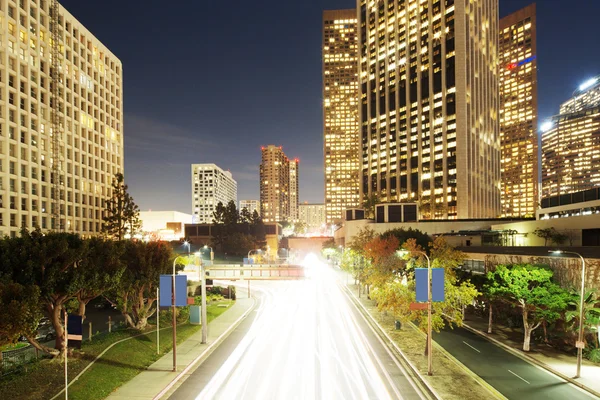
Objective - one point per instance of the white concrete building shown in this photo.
(210, 185)
(313, 215)
(88, 139)
(165, 225)
(250, 205)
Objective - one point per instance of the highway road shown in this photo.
(304, 340)
(509, 374)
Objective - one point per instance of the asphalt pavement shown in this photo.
(510, 375)
(305, 340)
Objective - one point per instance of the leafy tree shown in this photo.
(358, 242)
(530, 288)
(50, 262)
(422, 239)
(395, 296)
(256, 219)
(545, 234)
(384, 264)
(300, 228)
(369, 203)
(591, 314)
(20, 312)
(135, 296)
(121, 216)
(231, 216)
(245, 216)
(101, 270)
(219, 214)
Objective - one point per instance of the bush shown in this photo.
(166, 316)
(594, 355)
(232, 292)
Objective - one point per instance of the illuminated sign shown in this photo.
(520, 63)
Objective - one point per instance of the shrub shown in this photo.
(594, 355)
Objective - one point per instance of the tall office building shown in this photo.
(313, 215)
(250, 205)
(571, 144)
(518, 113)
(79, 158)
(279, 188)
(210, 185)
(340, 112)
(428, 84)
(294, 189)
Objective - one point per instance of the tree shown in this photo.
(530, 288)
(219, 214)
(358, 242)
(545, 234)
(20, 311)
(591, 314)
(101, 270)
(245, 216)
(231, 216)
(256, 219)
(384, 264)
(369, 203)
(422, 239)
(50, 262)
(135, 295)
(121, 216)
(300, 228)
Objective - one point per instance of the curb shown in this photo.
(206, 351)
(531, 360)
(404, 359)
(472, 374)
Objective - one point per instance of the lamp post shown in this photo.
(212, 255)
(174, 317)
(429, 302)
(186, 243)
(580, 342)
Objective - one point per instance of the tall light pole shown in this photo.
(173, 310)
(580, 342)
(429, 303)
(212, 255)
(186, 243)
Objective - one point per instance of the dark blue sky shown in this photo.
(212, 81)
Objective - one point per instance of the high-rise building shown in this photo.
(279, 189)
(518, 113)
(340, 112)
(210, 186)
(83, 100)
(294, 189)
(571, 144)
(313, 215)
(250, 205)
(428, 85)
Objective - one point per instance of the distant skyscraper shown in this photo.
(279, 191)
(571, 144)
(313, 215)
(294, 189)
(518, 113)
(210, 185)
(340, 112)
(429, 105)
(88, 151)
(250, 205)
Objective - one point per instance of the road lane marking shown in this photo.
(471, 346)
(519, 377)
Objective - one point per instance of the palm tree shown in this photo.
(591, 314)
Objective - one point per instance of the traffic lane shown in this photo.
(201, 376)
(510, 375)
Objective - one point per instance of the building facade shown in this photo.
(250, 205)
(164, 225)
(518, 113)
(65, 138)
(340, 112)
(210, 186)
(428, 86)
(571, 144)
(279, 187)
(313, 215)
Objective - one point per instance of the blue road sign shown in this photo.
(421, 284)
(437, 284)
(74, 331)
(166, 283)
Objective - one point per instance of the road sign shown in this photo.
(417, 306)
(437, 284)
(74, 331)
(166, 283)
(421, 284)
(580, 345)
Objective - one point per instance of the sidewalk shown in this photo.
(159, 375)
(544, 356)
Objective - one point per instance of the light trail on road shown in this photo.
(305, 343)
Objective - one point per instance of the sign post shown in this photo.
(173, 293)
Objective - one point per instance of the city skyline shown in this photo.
(197, 136)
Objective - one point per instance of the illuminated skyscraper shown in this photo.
(340, 112)
(89, 110)
(279, 189)
(429, 105)
(210, 186)
(518, 113)
(571, 144)
(250, 205)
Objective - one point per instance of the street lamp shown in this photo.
(580, 342)
(212, 255)
(186, 243)
(429, 336)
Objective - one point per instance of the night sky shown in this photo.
(212, 81)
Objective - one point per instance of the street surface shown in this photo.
(305, 340)
(509, 374)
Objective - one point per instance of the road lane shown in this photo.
(510, 375)
(305, 341)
